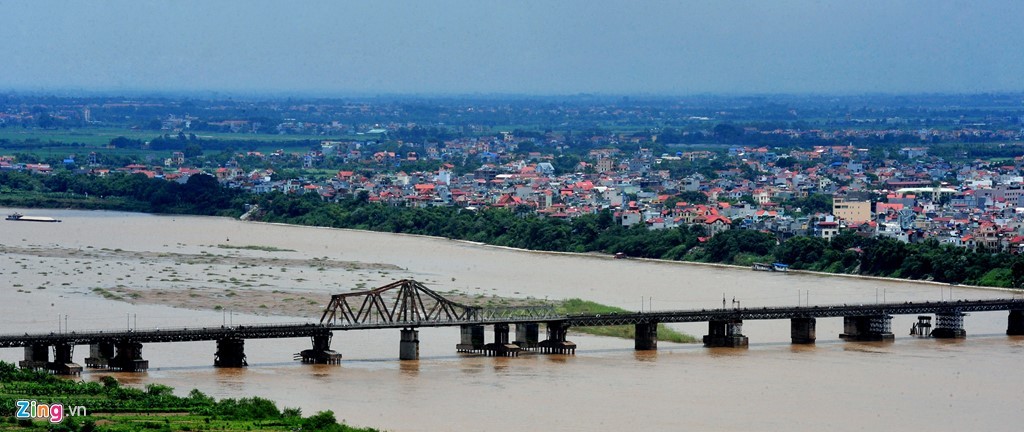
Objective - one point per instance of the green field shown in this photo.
(98, 137)
(577, 306)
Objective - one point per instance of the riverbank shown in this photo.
(114, 408)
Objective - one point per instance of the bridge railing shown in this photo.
(165, 329)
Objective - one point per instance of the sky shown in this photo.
(549, 47)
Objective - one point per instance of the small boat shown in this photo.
(774, 267)
(23, 218)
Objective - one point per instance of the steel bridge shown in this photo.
(408, 305)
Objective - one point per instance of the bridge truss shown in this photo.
(408, 302)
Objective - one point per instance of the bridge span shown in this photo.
(408, 305)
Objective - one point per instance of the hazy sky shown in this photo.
(513, 46)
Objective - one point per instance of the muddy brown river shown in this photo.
(56, 274)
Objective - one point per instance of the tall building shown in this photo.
(852, 207)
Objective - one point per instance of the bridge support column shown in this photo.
(1015, 324)
(867, 328)
(501, 347)
(128, 357)
(62, 363)
(728, 333)
(802, 330)
(321, 352)
(99, 355)
(472, 339)
(556, 343)
(949, 326)
(409, 347)
(36, 357)
(527, 335)
(646, 337)
(230, 353)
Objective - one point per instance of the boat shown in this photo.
(23, 218)
(774, 267)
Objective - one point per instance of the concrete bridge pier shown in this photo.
(409, 347)
(321, 352)
(230, 353)
(646, 337)
(527, 335)
(872, 328)
(556, 343)
(472, 339)
(802, 330)
(36, 357)
(501, 346)
(1015, 324)
(949, 325)
(726, 333)
(128, 357)
(99, 355)
(62, 363)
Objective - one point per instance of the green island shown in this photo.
(109, 406)
(577, 306)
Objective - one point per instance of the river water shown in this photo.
(971, 384)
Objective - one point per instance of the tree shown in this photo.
(727, 133)
(193, 149)
(122, 142)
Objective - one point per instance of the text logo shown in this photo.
(55, 413)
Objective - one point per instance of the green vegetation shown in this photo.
(577, 306)
(112, 407)
(254, 247)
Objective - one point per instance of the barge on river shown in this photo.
(23, 218)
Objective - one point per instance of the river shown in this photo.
(53, 269)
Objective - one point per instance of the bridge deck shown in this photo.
(263, 331)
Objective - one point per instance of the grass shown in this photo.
(253, 247)
(107, 294)
(577, 306)
(101, 136)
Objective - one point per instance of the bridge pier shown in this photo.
(727, 333)
(527, 335)
(556, 343)
(36, 357)
(62, 360)
(501, 347)
(321, 352)
(802, 330)
(409, 347)
(646, 336)
(128, 357)
(99, 355)
(871, 328)
(949, 325)
(1015, 323)
(472, 339)
(230, 353)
